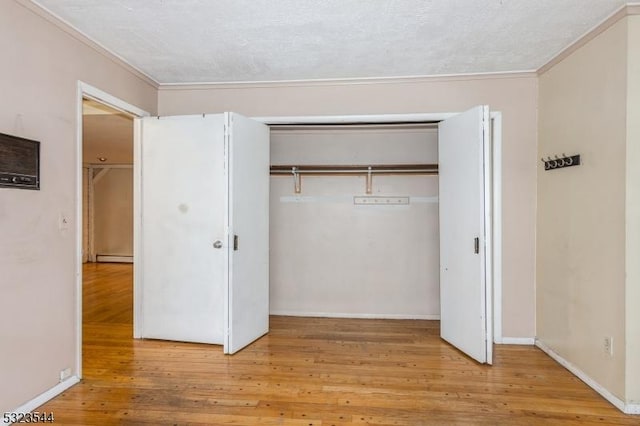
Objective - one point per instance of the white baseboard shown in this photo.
(46, 396)
(351, 315)
(617, 402)
(516, 341)
(106, 258)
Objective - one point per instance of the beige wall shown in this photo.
(515, 96)
(113, 213)
(581, 210)
(633, 212)
(38, 80)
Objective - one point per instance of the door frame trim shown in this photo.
(487, 184)
(87, 91)
(496, 186)
(495, 246)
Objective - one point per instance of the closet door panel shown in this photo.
(248, 218)
(463, 291)
(183, 204)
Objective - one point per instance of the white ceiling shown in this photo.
(197, 41)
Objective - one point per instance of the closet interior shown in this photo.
(354, 228)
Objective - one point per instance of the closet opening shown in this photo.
(354, 229)
(469, 177)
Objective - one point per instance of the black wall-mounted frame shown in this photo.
(19, 162)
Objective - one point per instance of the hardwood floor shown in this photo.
(310, 372)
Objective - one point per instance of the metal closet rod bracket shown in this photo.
(297, 180)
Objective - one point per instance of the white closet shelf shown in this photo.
(388, 169)
(344, 170)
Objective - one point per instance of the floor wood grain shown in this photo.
(310, 372)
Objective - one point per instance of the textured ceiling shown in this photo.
(191, 41)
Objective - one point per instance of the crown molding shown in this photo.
(633, 8)
(346, 81)
(624, 11)
(65, 26)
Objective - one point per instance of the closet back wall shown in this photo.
(331, 257)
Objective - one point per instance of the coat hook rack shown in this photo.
(561, 162)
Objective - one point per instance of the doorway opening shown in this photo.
(107, 166)
(105, 192)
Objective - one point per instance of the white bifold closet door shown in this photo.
(204, 215)
(464, 201)
(247, 315)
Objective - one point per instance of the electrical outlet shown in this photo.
(65, 374)
(608, 346)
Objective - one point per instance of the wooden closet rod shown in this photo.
(385, 169)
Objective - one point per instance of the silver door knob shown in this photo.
(217, 244)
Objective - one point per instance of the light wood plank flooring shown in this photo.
(310, 372)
